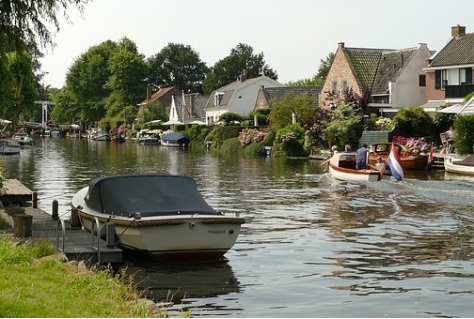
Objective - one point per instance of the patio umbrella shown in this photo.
(173, 122)
(153, 122)
(453, 109)
(198, 122)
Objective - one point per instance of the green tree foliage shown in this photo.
(241, 61)
(230, 118)
(66, 108)
(23, 83)
(315, 81)
(128, 69)
(6, 89)
(177, 65)
(344, 126)
(464, 139)
(325, 66)
(315, 127)
(262, 116)
(290, 140)
(85, 83)
(24, 24)
(155, 111)
(282, 110)
(413, 122)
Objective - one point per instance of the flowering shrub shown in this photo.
(411, 144)
(249, 135)
(385, 123)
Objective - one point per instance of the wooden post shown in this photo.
(35, 199)
(23, 225)
(75, 222)
(55, 214)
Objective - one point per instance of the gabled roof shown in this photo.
(235, 86)
(391, 65)
(374, 68)
(279, 92)
(159, 94)
(458, 51)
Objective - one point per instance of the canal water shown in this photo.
(310, 247)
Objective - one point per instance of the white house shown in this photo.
(237, 97)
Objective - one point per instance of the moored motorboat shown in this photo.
(23, 139)
(465, 166)
(162, 215)
(342, 166)
(9, 147)
(175, 139)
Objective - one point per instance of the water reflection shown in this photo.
(310, 247)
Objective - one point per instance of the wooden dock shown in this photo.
(14, 192)
(75, 242)
(78, 244)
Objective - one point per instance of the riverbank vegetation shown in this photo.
(37, 282)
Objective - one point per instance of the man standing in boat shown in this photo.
(361, 157)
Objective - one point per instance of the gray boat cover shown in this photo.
(468, 161)
(149, 194)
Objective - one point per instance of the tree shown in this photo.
(23, 24)
(127, 70)
(344, 126)
(413, 122)
(325, 66)
(282, 110)
(241, 61)
(177, 65)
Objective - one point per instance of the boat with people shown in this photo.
(9, 147)
(409, 160)
(464, 166)
(160, 215)
(342, 166)
(98, 135)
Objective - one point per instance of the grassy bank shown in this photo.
(37, 282)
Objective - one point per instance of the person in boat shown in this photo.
(361, 157)
(333, 149)
(347, 148)
(379, 164)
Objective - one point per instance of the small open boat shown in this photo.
(161, 215)
(465, 166)
(23, 139)
(409, 161)
(342, 166)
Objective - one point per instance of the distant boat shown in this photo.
(409, 161)
(175, 139)
(9, 147)
(99, 135)
(24, 139)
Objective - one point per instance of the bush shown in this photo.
(14, 210)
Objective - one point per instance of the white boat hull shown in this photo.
(451, 167)
(8, 148)
(181, 237)
(365, 175)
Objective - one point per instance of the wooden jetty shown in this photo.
(68, 235)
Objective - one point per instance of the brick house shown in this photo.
(449, 72)
(395, 77)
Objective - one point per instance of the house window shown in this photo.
(334, 86)
(422, 80)
(344, 86)
(218, 98)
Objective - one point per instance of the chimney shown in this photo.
(148, 92)
(458, 31)
(340, 45)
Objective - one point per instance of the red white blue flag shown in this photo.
(395, 164)
(431, 155)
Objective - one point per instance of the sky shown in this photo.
(294, 36)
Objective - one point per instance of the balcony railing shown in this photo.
(458, 91)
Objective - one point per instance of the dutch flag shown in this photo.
(395, 164)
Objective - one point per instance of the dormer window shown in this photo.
(219, 96)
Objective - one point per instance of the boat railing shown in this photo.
(95, 222)
(63, 232)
